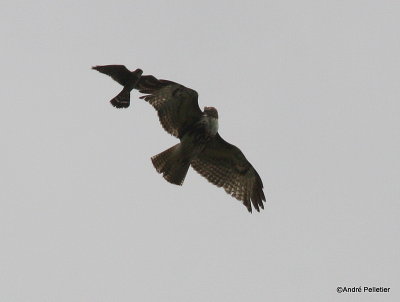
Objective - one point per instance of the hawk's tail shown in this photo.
(172, 164)
(122, 100)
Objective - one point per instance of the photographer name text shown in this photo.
(362, 289)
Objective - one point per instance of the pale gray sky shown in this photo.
(309, 90)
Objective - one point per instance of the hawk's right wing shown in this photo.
(176, 105)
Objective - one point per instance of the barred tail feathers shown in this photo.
(172, 164)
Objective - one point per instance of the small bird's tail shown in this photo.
(122, 100)
(172, 164)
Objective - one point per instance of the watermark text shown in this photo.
(362, 289)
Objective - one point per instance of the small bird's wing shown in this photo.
(225, 166)
(176, 105)
(118, 73)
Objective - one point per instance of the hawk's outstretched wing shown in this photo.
(225, 166)
(176, 105)
(118, 73)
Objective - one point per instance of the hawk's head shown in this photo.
(210, 119)
(211, 112)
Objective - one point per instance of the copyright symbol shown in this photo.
(339, 289)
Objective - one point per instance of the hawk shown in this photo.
(200, 146)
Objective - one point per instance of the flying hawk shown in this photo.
(200, 145)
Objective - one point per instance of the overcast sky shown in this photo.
(308, 90)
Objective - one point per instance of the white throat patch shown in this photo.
(212, 125)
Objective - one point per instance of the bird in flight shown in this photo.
(200, 146)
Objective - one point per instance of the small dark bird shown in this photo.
(200, 145)
(126, 78)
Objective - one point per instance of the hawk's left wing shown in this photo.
(225, 166)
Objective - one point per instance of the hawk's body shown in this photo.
(200, 144)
